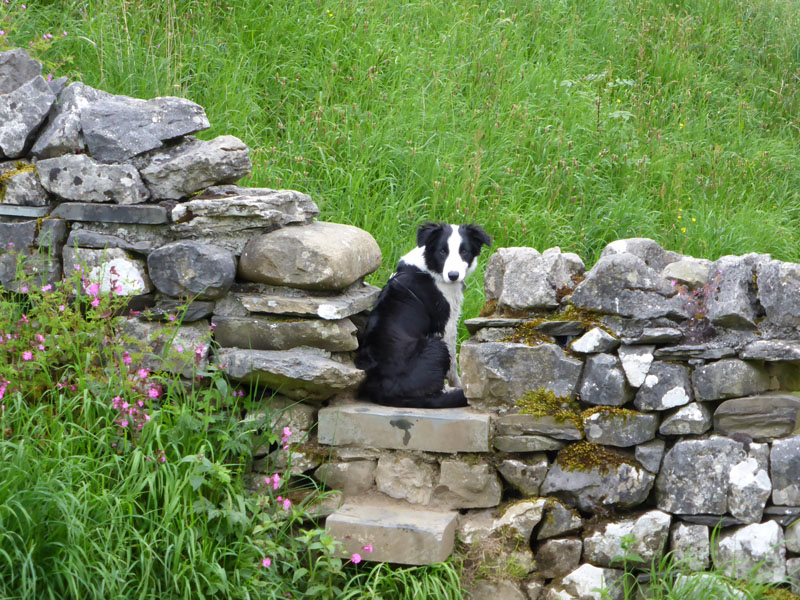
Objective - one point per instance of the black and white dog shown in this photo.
(408, 347)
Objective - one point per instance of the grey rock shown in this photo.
(783, 515)
(695, 351)
(560, 328)
(604, 381)
(62, 133)
(293, 461)
(655, 335)
(77, 177)
(477, 323)
(522, 424)
(689, 271)
(57, 85)
(732, 302)
(594, 341)
(690, 546)
(526, 443)
(653, 255)
(785, 471)
(85, 238)
(793, 574)
(649, 532)
(493, 334)
(25, 100)
(113, 269)
(520, 518)
(525, 474)
(269, 333)
(495, 374)
(620, 427)
(188, 269)
(19, 184)
(587, 582)
(16, 69)
(191, 165)
(778, 283)
(729, 378)
(117, 128)
(694, 476)
(351, 477)
(52, 235)
(771, 350)
(323, 256)
(691, 419)
(710, 521)
(754, 551)
(141, 239)
(618, 485)
(792, 537)
(169, 309)
(650, 454)
(467, 484)
(763, 417)
(749, 488)
(491, 590)
(262, 298)
(406, 477)
(558, 557)
(622, 284)
(636, 361)
(111, 213)
(558, 519)
(475, 526)
(183, 350)
(12, 212)
(300, 373)
(533, 588)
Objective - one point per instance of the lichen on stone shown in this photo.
(545, 403)
(586, 456)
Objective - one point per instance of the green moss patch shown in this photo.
(545, 403)
(586, 456)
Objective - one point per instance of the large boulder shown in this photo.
(319, 256)
(188, 269)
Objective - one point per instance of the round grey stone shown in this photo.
(192, 270)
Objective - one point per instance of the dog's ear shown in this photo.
(477, 236)
(425, 231)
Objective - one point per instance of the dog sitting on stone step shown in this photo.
(408, 347)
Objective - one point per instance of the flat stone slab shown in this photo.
(397, 534)
(771, 350)
(289, 301)
(84, 211)
(476, 324)
(763, 417)
(11, 210)
(374, 426)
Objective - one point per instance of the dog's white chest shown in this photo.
(454, 295)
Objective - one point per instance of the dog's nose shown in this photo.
(453, 275)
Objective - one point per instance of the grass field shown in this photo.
(556, 122)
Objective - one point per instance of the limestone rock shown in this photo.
(618, 484)
(113, 269)
(524, 424)
(117, 128)
(525, 474)
(771, 350)
(495, 374)
(351, 477)
(475, 526)
(650, 454)
(690, 546)
(19, 184)
(778, 283)
(733, 301)
(192, 165)
(588, 582)
(78, 177)
(521, 517)
(691, 419)
(622, 284)
(655, 335)
(689, 271)
(406, 477)
(558, 519)
(183, 350)
(558, 557)
(604, 381)
(188, 269)
(649, 533)
(694, 476)
(62, 133)
(492, 590)
(784, 463)
(754, 551)
(653, 255)
(300, 373)
(294, 460)
(138, 214)
(636, 361)
(465, 485)
(270, 333)
(729, 378)
(323, 256)
(170, 309)
(749, 488)
(793, 574)
(792, 536)
(594, 341)
(526, 443)
(621, 428)
(138, 238)
(25, 100)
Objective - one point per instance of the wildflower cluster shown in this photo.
(13, 34)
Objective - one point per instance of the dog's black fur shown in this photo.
(408, 345)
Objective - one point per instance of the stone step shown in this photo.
(397, 533)
(368, 425)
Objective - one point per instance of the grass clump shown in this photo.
(545, 403)
(586, 456)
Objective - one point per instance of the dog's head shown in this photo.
(451, 251)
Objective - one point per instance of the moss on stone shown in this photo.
(545, 403)
(586, 456)
(488, 309)
(775, 593)
(624, 413)
(527, 334)
(5, 176)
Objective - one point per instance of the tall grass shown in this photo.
(550, 123)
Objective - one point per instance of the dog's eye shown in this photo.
(443, 252)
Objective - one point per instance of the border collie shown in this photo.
(408, 347)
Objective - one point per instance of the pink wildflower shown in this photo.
(173, 317)
(126, 358)
(154, 392)
(143, 373)
(47, 288)
(367, 548)
(286, 503)
(27, 355)
(41, 347)
(62, 308)
(276, 481)
(266, 562)
(123, 423)
(287, 432)
(25, 318)
(356, 558)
